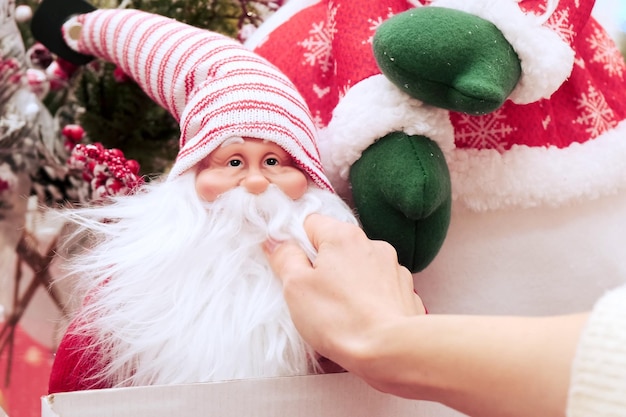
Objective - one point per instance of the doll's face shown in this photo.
(250, 163)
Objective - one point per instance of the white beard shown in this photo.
(180, 290)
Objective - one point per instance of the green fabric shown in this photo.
(402, 194)
(447, 58)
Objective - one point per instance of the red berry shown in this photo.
(116, 153)
(73, 132)
(119, 75)
(133, 166)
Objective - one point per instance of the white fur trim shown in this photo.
(71, 32)
(481, 179)
(546, 59)
(532, 177)
(370, 110)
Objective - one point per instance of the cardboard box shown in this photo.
(330, 395)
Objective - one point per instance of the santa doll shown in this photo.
(505, 117)
(178, 288)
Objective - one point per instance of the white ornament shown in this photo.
(23, 13)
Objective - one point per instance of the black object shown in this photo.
(47, 22)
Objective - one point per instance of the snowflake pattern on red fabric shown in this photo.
(318, 46)
(559, 22)
(331, 44)
(317, 38)
(605, 53)
(596, 117)
(488, 132)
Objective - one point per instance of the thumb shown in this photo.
(287, 259)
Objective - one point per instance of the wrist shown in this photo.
(383, 355)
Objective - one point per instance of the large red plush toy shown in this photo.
(522, 101)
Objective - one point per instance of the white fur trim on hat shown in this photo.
(536, 176)
(212, 84)
(546, 59)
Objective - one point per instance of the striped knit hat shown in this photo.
(211, 84)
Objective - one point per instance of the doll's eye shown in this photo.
(271, 161)
(235, 162)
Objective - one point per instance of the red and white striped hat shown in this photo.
(211, 84)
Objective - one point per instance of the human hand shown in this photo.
(354, 287)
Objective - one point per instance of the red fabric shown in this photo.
(74, 364)
(330, 51)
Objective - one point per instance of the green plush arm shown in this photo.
(447, 58)
(402, 194)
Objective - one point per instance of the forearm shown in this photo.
(482, 366)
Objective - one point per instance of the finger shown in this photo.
(320, 229)
(315, 226)
(419, 304)
(406, 279)
(287, 259)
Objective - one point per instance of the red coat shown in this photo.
(74, 364)
(571, 92)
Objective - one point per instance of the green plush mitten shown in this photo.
(447, 58)
(402, 194)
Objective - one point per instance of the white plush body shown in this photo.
(534, 261)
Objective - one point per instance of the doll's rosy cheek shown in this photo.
(293, 183)
(211, 183)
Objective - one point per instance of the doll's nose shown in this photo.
(255, 183)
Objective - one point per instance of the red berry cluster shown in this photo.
(107, 170)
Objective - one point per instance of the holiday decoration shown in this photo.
(118, 114)
(524, 103)
(26, 147)
(107, 170)
(247, 170)
(185, 97)
(69, 136)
